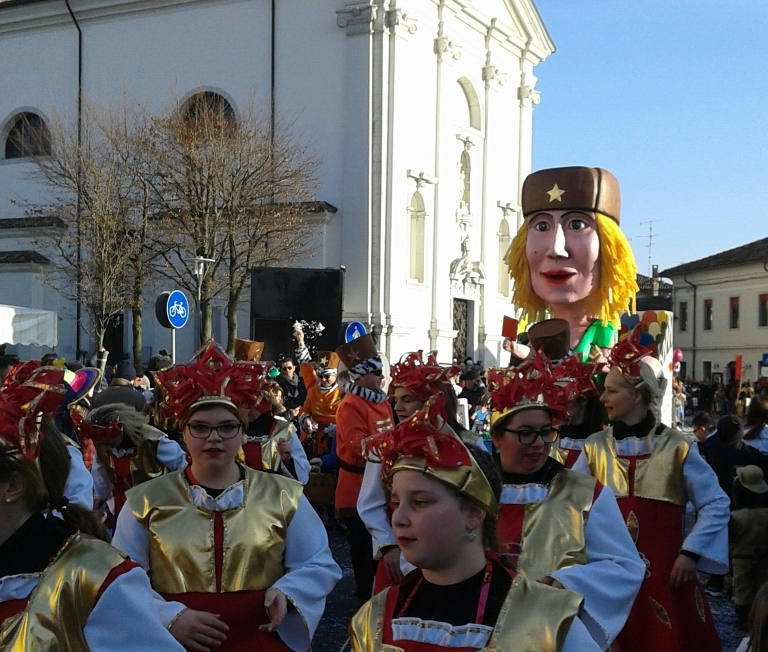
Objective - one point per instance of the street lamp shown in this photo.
(199, 271)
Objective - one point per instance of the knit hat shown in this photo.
(125, 370)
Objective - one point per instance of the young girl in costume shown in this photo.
(654, 471)
(61, 587)
(414, 380)
(558, 526)
(128, 452)
(459, 596)
(239, 553)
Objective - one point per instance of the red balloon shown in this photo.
(677, 355)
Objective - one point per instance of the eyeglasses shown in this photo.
(378, 373)
(287, 368)
(527, 436)
(223, 430)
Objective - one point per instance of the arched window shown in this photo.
(418, 218)
(28, 135)
(209, 108)
(504, 242)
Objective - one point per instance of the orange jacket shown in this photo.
(322, 406)
(356, 419)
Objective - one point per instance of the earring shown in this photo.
(471, 536)
(7, 500)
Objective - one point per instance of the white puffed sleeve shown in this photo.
(612, 576)
(311, 574)
(579, 640)
(127, 617)
(300, 461)
(79, 485)
(709, 536)
(171, 454)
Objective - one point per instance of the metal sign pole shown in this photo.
(173, 345)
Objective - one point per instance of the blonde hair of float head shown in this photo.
(618, 275)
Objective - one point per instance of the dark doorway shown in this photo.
(461, 326)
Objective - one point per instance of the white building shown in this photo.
(721, 311)
(420, 109)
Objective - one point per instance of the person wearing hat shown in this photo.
(446, 502)
(748, 539)
(121, 389)
(129, 451)
(654, 471)
(229, 547)
(363, 412)
(323, 393)
(557, 526)
(61, 586)
(570, 259)
(414, 380)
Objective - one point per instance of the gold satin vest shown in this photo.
(270, 457)
(658, 477)
(181, 536)
(553, 534)
(533, 617)
(144, 465)
(63, 599)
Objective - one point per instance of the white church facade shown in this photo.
(420, 109)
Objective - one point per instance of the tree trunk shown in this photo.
(231, 325)
(138, 342)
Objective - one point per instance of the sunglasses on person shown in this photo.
(527, 436)
(288, 367)
(225, 430)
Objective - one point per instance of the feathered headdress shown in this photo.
(427, 444)
(30, 396)
(420, 376)
(533, 384)
(626, 354)
(213, 378)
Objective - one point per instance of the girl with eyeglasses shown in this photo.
(654, 471)
(239, 554)
(557, 526)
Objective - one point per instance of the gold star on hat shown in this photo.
(555, 194)
(324, 361)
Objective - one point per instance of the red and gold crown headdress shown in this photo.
(427, 444)
(532, 384)
(30, 395)
(98, 433)
(213, 378)
(419, 375)
(625, 356)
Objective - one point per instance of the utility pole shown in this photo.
(650, 238)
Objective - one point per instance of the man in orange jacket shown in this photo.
(323, 393)
(364, 411)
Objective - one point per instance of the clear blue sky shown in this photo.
(672, 97)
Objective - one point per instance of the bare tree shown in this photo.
(91, 191)
(230, 190)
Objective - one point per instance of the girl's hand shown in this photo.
(277, 607)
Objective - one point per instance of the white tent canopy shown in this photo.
(28, 326)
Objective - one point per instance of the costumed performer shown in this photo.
(654, 471)
(557, 526)
(128, 452)
(363, 412)
(413, 380)
(221, 541)
(570, 258)
(323, 392)
(79, 483)
(61, 587)
(459, 597)
(271, 442)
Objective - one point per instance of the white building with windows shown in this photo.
(421, 110)
(721, 312)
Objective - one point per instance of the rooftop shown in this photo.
(30, 222)
(21, 257)
(749, 253)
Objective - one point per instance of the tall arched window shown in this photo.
(28, 135)
(208, 107)
(504, 242)
(418, 218)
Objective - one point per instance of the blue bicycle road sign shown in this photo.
(177, 309)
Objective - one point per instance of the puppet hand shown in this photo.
(277, 607)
